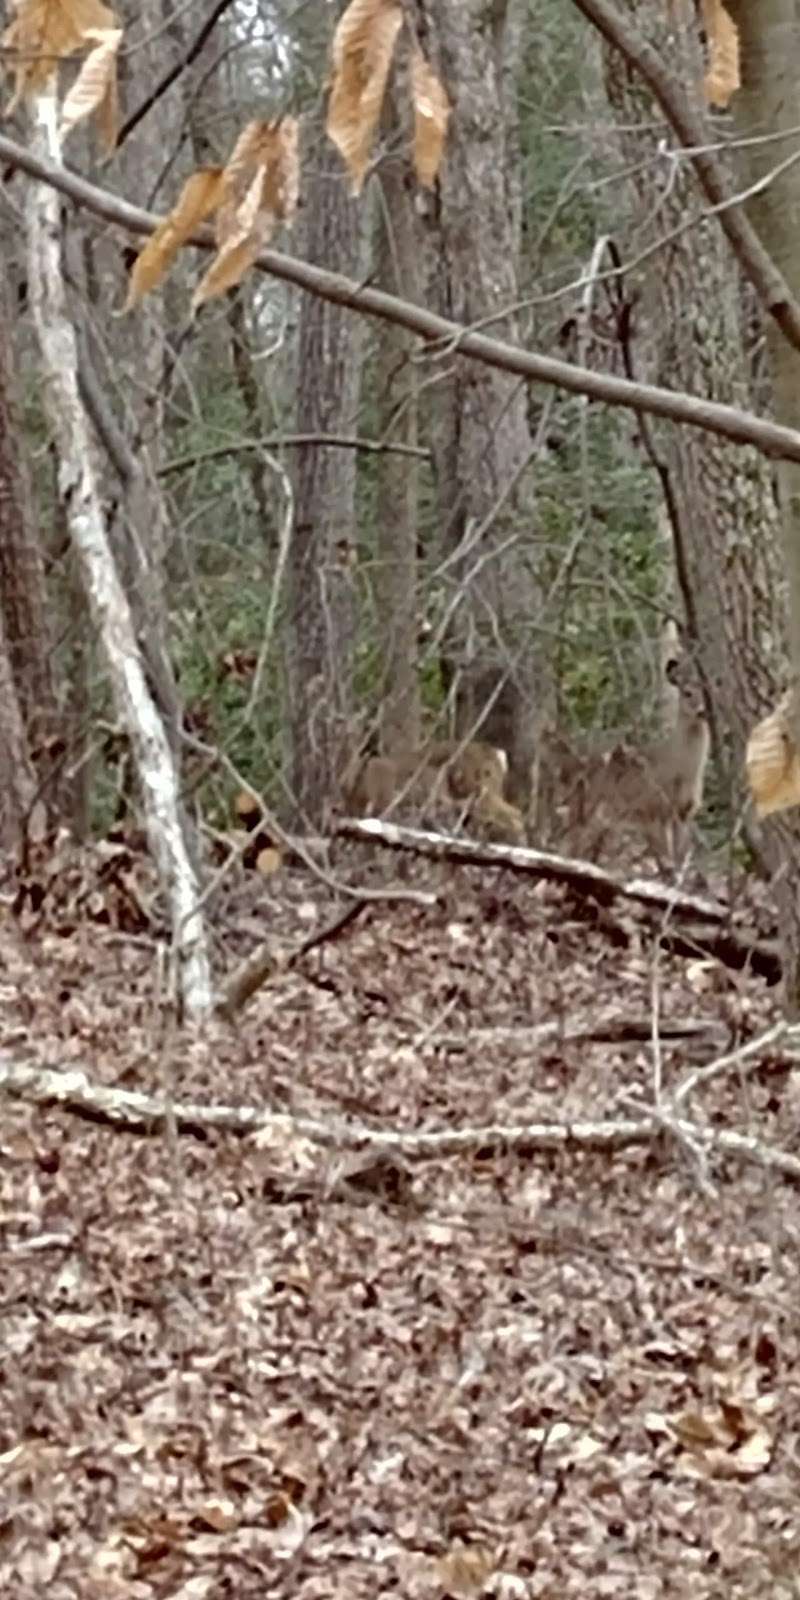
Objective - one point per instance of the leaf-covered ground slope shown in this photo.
(253, 1367)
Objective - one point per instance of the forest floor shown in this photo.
(254, 1366)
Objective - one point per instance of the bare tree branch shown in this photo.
(285, 441)
(174, 72)
(266, 962)
(742, 427)
(756, 263)
(131, 1110)
(690, 923)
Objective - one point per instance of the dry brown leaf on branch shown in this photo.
(95, 88)
(722, 73)
(199, 198)
(431, 116)
(269, 148)
(362, 50)
(259, 191)
(773, 763)
(45, 32)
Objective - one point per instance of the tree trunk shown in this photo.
(17, 777)
(398, 475)
(482, 442)
(321, 619)
(721, 498)
(686, 333)
(769, 38)
(110, 610)
(26, 632)
(140, 366)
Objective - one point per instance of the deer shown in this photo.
(439, 778)
(654, 790)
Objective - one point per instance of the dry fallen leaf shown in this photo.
(431, 116)
(363, 45)
(773, 764)
(728, 1441)
(722, 75)
(465, 1570)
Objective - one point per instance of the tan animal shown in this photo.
(653, 791)
(436, 781)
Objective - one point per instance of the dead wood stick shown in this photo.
(266, 962)
(73, 1091)
(709, 920)
(611, 1030)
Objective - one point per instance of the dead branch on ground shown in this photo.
(136, 1112)
(695, 924)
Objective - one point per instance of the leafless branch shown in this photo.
(266, 962)
(74, 1092)
(291, 441)
(174, 73)
(742, 427)
(758, 266)
(695, 923)
(750, 1054)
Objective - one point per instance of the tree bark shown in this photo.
(18, 780)
(770, 61)
(321, 612)
(109, 607)
(725, 523)
(482, 442)
(396, 534)
(687, 331)
(25, 628)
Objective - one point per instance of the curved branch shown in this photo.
(756, 263)
(742, 427)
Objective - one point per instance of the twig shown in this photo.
(174, 73)
(284, 441)
(750, 1052)
(265, 962)
(617, 1030)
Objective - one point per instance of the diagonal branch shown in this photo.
(694, 922)
(742, 427)
(170, 77)
(756, 263)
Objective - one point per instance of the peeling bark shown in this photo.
(110, 610)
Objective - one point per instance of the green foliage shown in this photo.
(216, 654)
(563, 209)
(602, 567)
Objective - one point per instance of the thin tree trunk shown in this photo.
(396, 577)
(22, 593)
(110, 610)
(482, 442)
(17, 777)
(321, 621)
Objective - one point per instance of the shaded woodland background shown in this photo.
(314, 597)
